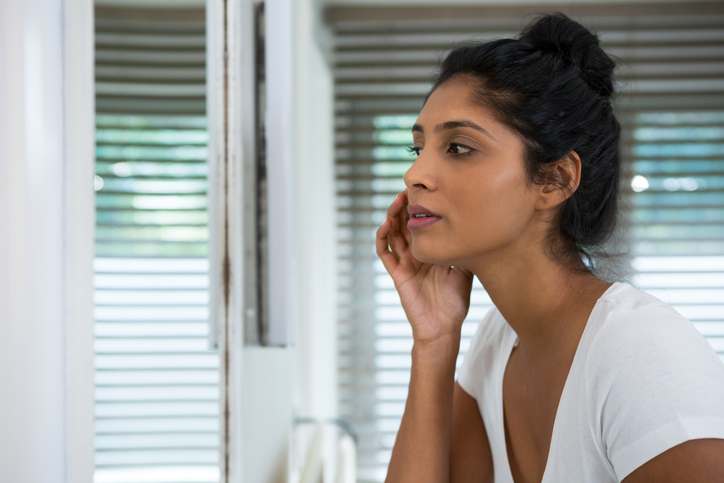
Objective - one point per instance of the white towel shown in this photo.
(346, 460)
(312, 472)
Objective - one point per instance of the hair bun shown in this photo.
(558, 34)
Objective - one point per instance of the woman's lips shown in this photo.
(420, 217)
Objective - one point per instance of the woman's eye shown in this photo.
(414, 150)
(458, 147)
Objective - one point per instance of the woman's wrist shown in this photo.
(446, 346)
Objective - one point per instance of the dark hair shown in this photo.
(553, 85)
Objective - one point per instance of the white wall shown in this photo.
(79, 234)
(34, 293)
(316, 375)
(31, 243)
(315, 218)
(270, 386)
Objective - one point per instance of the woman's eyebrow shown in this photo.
(444, 126)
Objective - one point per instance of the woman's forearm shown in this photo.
(422, 449)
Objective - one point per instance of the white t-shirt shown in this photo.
(643, 380)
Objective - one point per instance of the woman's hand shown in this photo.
(436, 298)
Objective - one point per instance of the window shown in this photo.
(677, 200)
(671, 109)
(157, 381)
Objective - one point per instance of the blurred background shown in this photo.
(236, 337)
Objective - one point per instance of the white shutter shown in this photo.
(157, 382)
(671, 58)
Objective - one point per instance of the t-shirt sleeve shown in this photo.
(662, 384)
(469, 374)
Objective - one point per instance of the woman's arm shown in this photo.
(422, 449)
(471, 460)
(699, 460)
(442, 437)
(436, 299)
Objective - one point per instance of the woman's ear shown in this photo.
(561, 182)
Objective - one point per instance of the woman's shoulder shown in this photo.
(639, 346)
(653, 381)
(627, 319)
(625, 298)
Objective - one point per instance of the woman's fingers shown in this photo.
(389, 260)
(464, 274)
(393, 237)
(405, 218)
(394, 213)
(463, 271)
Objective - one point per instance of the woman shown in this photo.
(569, 378)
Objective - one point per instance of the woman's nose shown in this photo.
(420, 175)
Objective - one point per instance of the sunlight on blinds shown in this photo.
(678, 214)
(157, 382)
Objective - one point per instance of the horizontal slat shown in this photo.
(151, 250)
(156, 40)
(149, 19)
(191, 361)
(197, 392)
(117, 89)
(154, 57)
(150, 122)
(151, 329)
(124, 105)
(147, 377)
(151, 345)
(141, 138)
(156, 456)
(135, 298)
(168, 425)
(146, 313)
(136, 265)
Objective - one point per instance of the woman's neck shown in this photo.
(545, 303)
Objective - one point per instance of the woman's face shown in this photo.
(471, 174)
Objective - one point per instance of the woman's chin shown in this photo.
(430, 255)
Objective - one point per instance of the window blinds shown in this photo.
(671, 106)
(157, 394)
